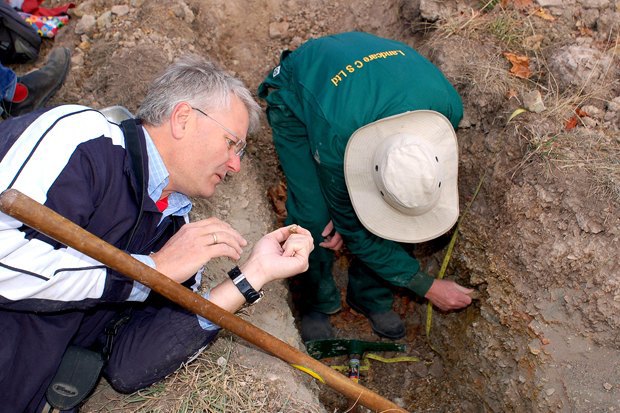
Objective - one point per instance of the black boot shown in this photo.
(385, 324)
(42, 83)
(316, 326)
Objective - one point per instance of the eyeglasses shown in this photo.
(238, 145)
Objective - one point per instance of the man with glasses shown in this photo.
(130, 185)
(364, 129)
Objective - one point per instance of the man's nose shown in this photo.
(234, 163)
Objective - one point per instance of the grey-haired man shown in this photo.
(129, 184)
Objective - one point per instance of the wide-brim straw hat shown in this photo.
(401, 174)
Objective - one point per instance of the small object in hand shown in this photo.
(293, 229)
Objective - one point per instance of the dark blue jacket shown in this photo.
(74, 161)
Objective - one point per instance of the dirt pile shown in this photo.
(541, 241)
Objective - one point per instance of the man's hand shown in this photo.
(448, 295)
(279, 254)
(195, 244)
(332, 239)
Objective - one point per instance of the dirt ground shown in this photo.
(540, 243)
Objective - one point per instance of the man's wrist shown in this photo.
(420, 283)
(254, 274)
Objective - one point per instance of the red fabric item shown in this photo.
(21, 93)
(32, 7)
(162, 204)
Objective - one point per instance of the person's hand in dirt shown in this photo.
(277, 255)
(448, 295)
(195, 244)
(332, 239)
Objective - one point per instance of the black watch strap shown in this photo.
(251, 295)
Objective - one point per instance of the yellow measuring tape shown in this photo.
(446, 260)
(309, 372)
(365, 363)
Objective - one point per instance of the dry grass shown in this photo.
(590, 144)
(547, 141)
(595, 151)
(482, 72)
(212, 383)
(508, 27)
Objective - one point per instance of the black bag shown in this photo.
(19, 42)
(75, 379)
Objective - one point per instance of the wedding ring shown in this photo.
(214, 237)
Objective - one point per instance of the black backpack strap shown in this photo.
(132, 144)
(111, 330)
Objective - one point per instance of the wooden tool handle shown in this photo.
(48, 222)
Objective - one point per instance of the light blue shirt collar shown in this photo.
(178, 204)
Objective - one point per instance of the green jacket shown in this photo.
(335, 85)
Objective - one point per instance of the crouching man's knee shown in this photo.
(128, 375)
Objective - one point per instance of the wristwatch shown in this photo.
(251, 295)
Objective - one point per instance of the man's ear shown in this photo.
(179, 119)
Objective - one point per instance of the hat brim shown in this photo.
(372, 211)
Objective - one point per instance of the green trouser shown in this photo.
(306, 206)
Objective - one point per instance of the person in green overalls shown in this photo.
(364, 130)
